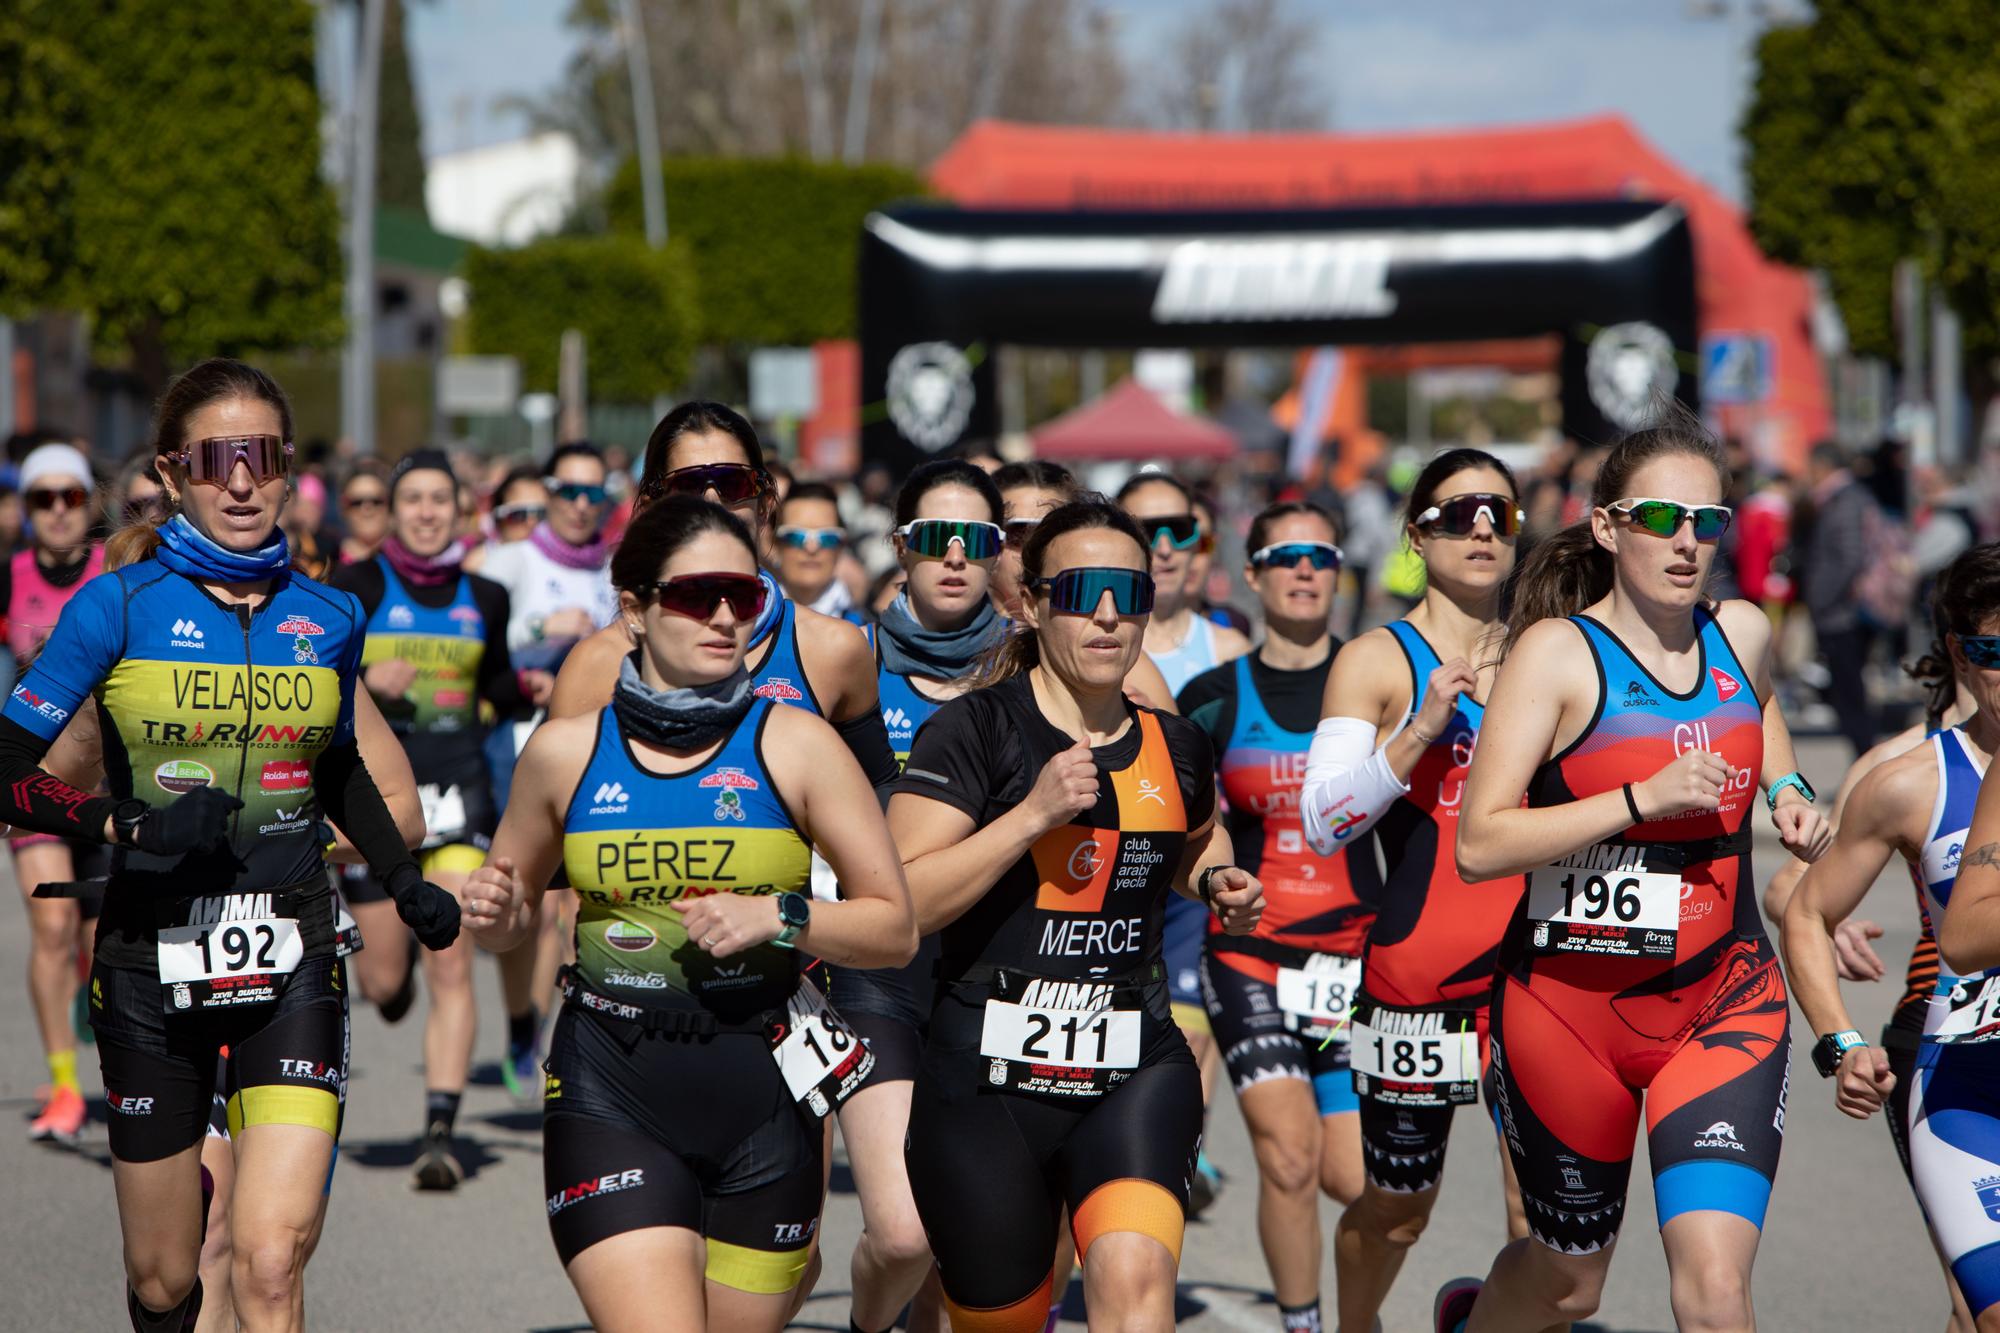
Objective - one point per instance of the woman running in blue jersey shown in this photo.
(225, 685)
(1278, 999)
(695, 1059)
(1920, 805)
(947, 537)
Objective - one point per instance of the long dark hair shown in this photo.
(663, 528)
(212, 381)
(1021, 650)
(1568, 570)
(1040, 474)
(1967, 592)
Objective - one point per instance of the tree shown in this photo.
(1873, 134)
(636, 306)
(399, 134)
(200, 222)
(41, 112)
(1241, 65)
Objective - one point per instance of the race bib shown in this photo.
(1063, 1038)
(823, 1060)
(444, 813)
(1972, 1012)
(346, 934)
(1316, 998)
(1404, 1057)
(227, 964)
(1607, 899)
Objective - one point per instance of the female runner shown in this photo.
(1400, 721)
(1633, 727)
(1278, 999)
(224, 679)
(926, 644)
(694, 1062)
(1043, 821)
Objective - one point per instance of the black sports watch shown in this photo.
(1204, 889)
(794, 915)
(1828, 1050)
(126, 816)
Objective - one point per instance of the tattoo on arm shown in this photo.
(1987, 854)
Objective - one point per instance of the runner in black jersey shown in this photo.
(436, 657)
(1634, 736)
(218, 676)
(928, 641)
(1044, 820)
(1278, 1000)
(695, 1060)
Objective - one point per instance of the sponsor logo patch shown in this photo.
(182, 775)
(629, 936)
(1726, 685)
(299, 625)
(285, 775)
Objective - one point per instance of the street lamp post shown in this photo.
(358, 364)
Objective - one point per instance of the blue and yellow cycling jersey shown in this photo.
(193, 692)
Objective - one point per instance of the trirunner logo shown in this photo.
(609, 800)
(610, 1183)
(187, 634)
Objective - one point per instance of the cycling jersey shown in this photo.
(1953, 1114)
(648, 1123)
(192, 692)
(1431, 957)
(1054, 1075)
(1640, 966)
(1307, 947)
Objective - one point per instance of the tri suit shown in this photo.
(1054, 1075)
(1275, 997)
(1638, 972)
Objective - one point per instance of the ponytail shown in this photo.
(1018, 652)
(1565, 572)
(132, 543)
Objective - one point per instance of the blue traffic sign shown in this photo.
(1736, 368)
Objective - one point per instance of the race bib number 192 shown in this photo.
(227, 964)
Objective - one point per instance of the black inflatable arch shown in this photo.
(942, 287)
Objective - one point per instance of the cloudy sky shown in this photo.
(1679, 75)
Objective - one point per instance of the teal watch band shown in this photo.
(1797, 780)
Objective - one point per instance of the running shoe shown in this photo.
(1204, 1188)
(522, 1073)
(1454, 1304)
(436, 1168)
(61, 1120)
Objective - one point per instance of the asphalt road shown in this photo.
(1844, 1246)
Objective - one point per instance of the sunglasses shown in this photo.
(1078, 592)
(697, 596)
(733, 483)
(364, 501)
(212, 460)
(1458, 516)
(812, 539)
(1285, 555)
(1180, 530)
(931, 538)
(577, 493)
(1663, 518)
(1981, 650)
(1019, 530)
(521, 513)
(152, 507)
(71, 497)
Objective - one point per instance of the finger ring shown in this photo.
(708, 939)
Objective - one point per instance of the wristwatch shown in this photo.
(126, 816)
(794, 914)
(1790, 780)
(1826, 1052)
(1202, 888)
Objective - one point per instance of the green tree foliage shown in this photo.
(636, 307)
(198, 222)
(41, 109)
(399, 138)
(1873, 135)
(775, 241)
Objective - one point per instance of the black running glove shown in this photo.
(425, 908)
(193, 822)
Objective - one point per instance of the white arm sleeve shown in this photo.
(1348, 785)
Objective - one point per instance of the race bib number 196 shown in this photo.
(1605, 899)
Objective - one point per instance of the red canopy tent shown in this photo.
(1001, 165)
(1130, 422)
